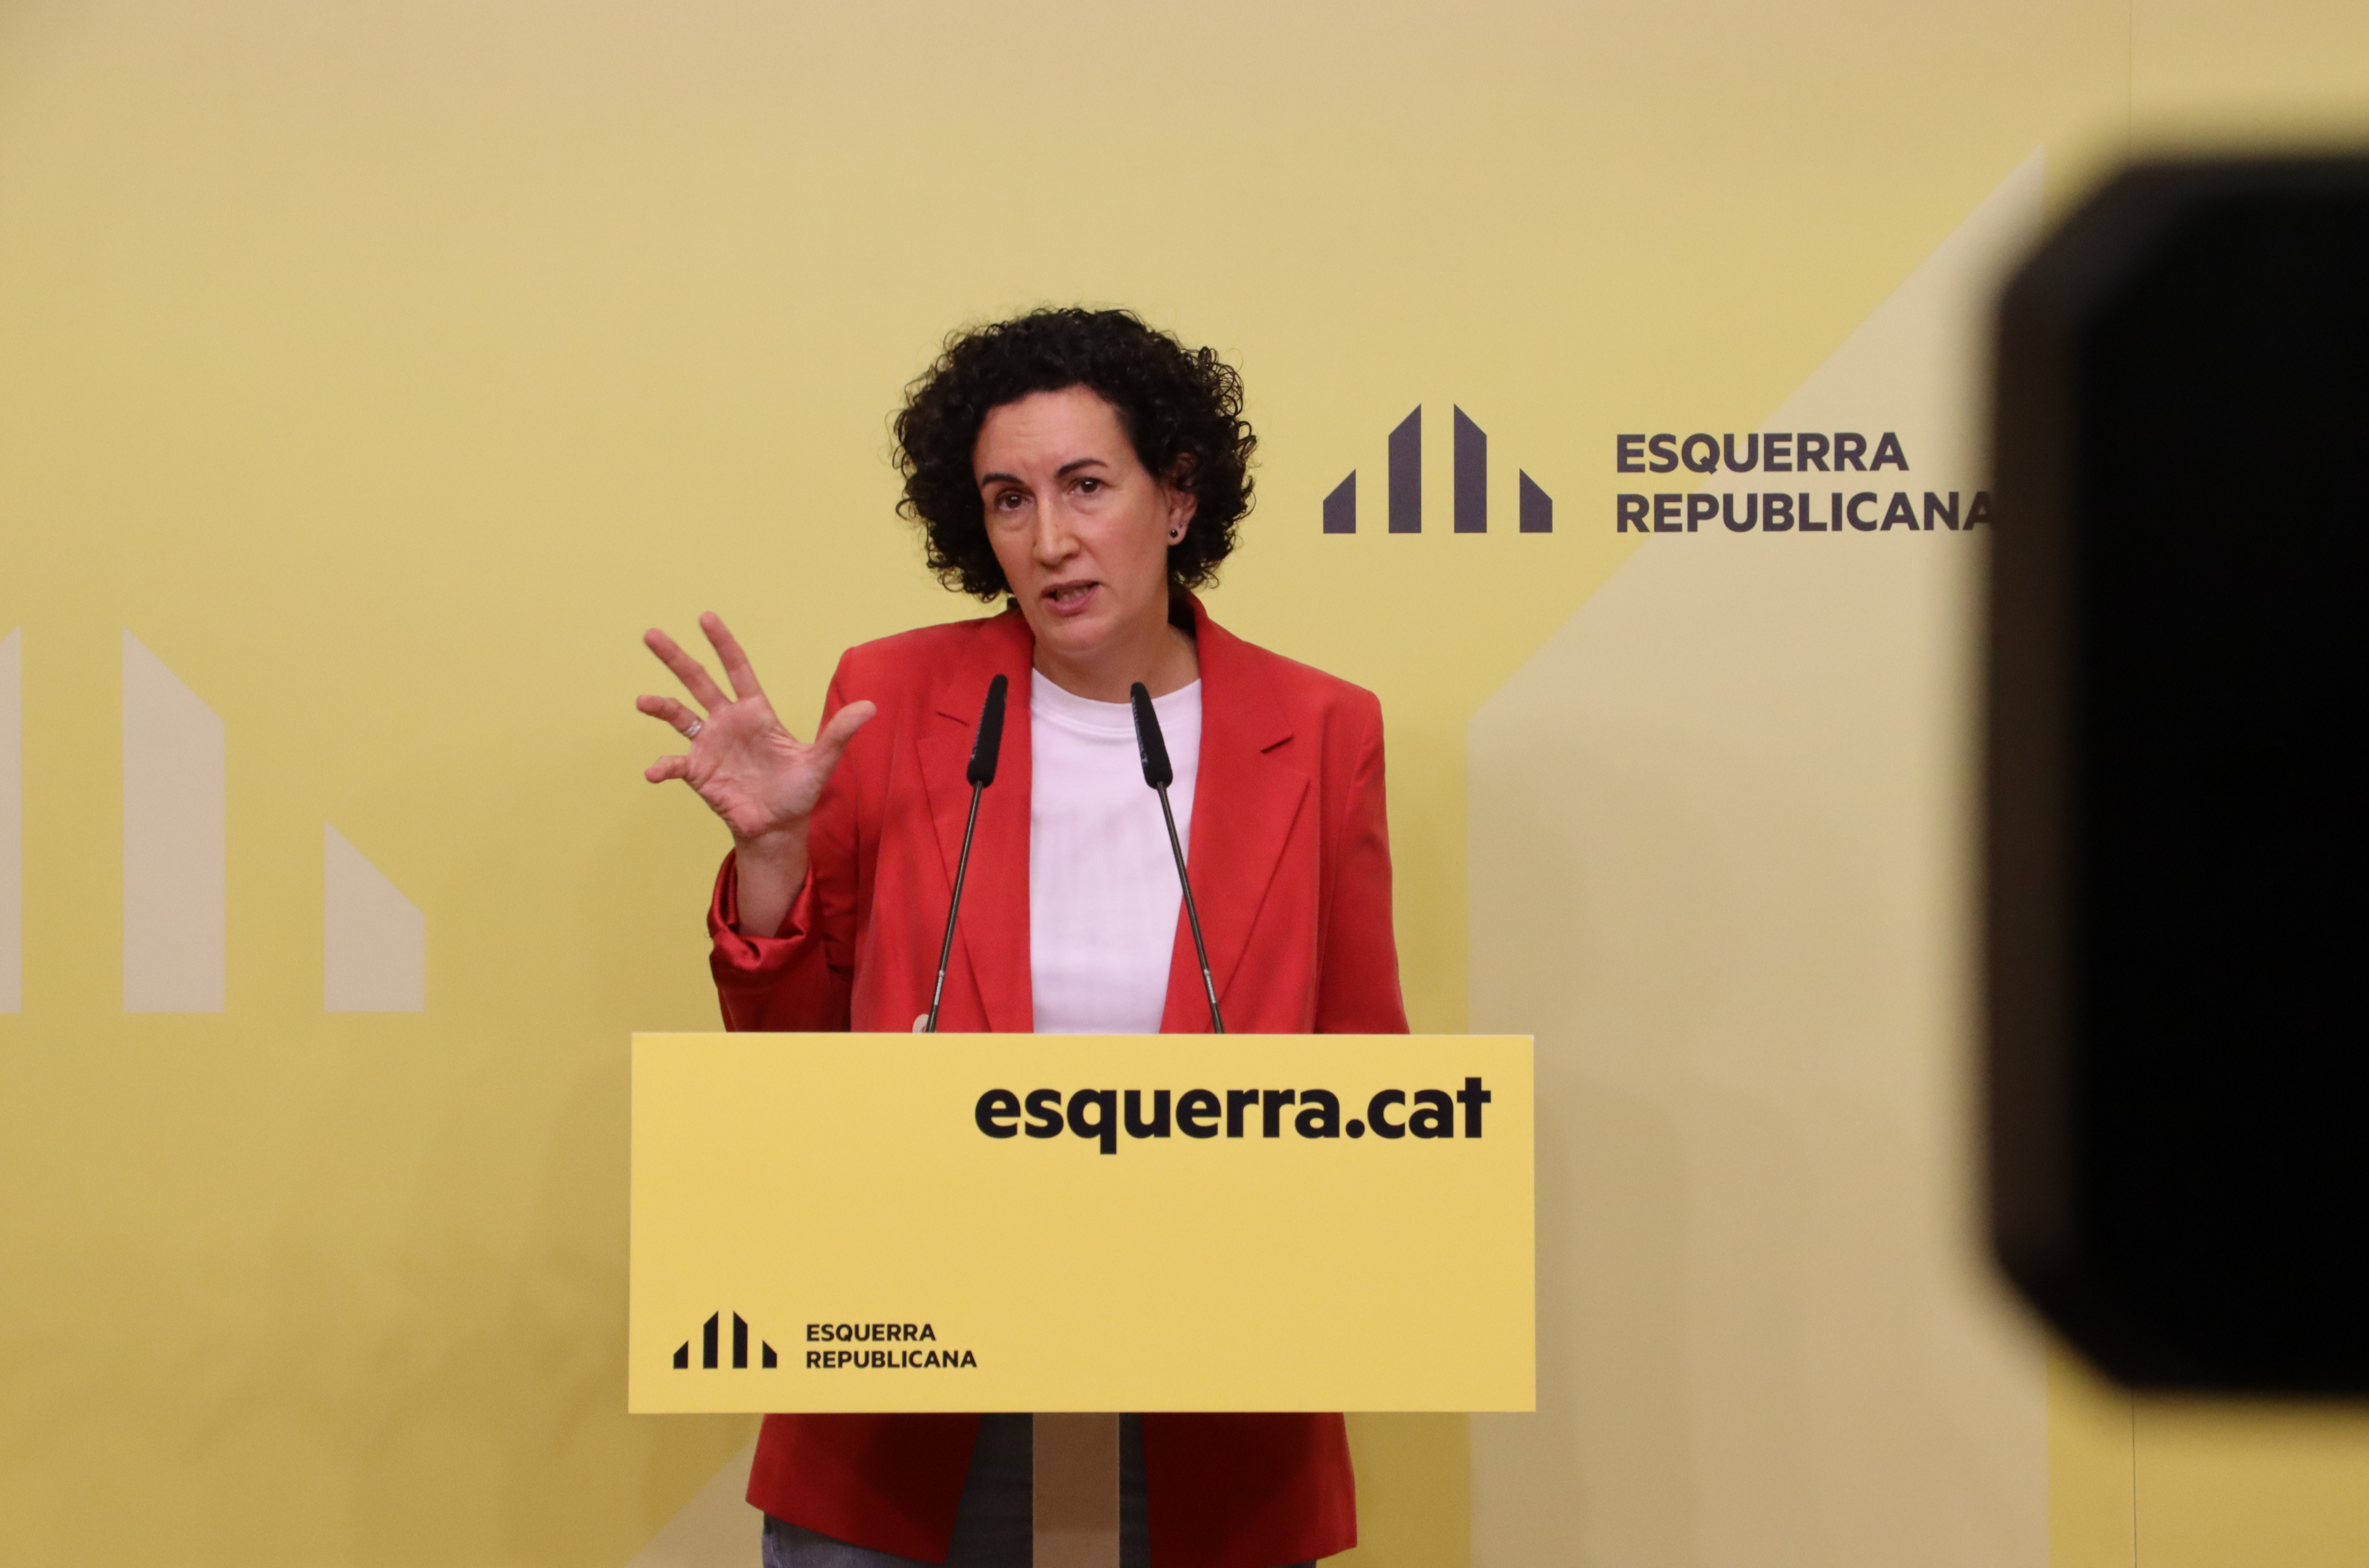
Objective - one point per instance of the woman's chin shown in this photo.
(1078, 640)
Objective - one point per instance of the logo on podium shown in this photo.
(711, 1335)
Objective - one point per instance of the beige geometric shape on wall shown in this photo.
(12, 821)
(373, 940)
(716, 1528)
(174, 842)
(1722, 862)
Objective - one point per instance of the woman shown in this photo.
(1093, 470)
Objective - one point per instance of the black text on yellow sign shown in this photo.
(1206, 1113)
(1077, 1222)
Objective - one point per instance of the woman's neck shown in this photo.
(1166, 661)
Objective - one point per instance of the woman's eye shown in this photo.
(1089, 485)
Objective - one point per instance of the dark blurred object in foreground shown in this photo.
(2179, 1129)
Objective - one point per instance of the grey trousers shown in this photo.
(994, 1527)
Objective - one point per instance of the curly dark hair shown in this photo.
(1181, 407)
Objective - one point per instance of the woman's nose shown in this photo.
(1053, 542)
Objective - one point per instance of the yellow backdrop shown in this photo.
(383, 369)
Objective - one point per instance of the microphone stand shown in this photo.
(1159, 772)
(984, 751)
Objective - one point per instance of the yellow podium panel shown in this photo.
(1026, 1222)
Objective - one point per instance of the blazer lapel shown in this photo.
(1246, 799)
(991, 933)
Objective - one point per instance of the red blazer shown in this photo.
(1291, 870)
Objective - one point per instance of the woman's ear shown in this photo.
(1181, 504)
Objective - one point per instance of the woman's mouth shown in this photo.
(1069, 598)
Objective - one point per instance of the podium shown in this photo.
(850, 1222)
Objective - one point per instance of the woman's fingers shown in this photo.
(687, 670)
(667, 768)
(736, 667)
(842, 730)
(681, 718)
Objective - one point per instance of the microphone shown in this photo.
(1159, 772)
(984, 751)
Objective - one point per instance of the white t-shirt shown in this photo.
(1102, 899)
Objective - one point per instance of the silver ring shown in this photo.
(692, 732)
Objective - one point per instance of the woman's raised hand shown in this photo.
(752, 773)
